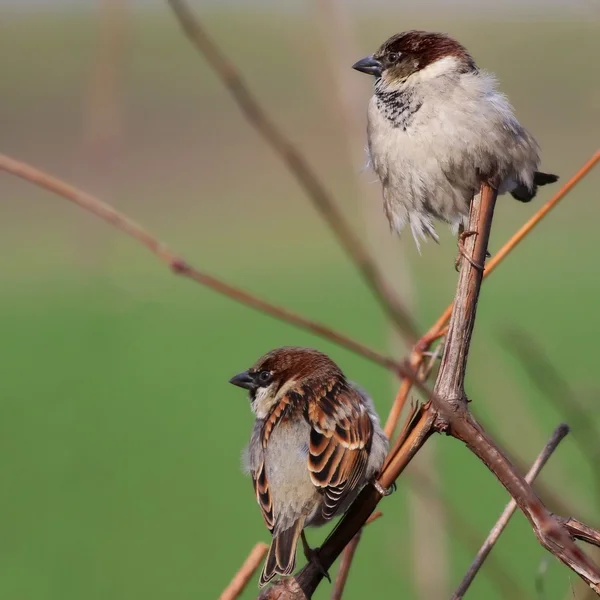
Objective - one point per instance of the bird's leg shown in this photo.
(462, 236)
(312, 555)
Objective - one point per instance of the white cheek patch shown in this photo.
(266, 398)
(263, 400)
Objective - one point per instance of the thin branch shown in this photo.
(350, 549)
(549, 530)
(546, 377)
(244, 575)
(450, 382)
(559, 433)
(376, 515)
(518, 237)
(180, 266)
(459, 527)
(438, 329)
(462, 529)
(346, 561)
(298, 166)
(447, 411)
(455, 419)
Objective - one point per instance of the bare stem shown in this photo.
(180, 266)
(438, 328)
(244, 575)
(298, 166)
(559, 433)
(448, 412)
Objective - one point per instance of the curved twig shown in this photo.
(299, 167)
(180, 266)
(558, 435)
(244, 575)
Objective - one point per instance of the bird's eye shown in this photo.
(264, 377)
(393, 57)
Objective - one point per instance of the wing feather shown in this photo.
(263, 495)
(340, 438)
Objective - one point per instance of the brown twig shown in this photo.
(298, 166)
(342, 577)
(559, 433)
(350, 549)
(461, 528)
(453, 414)
(450, 381)
(555, 388)
(448, 412)
(180, 266)
(438, 329)
(244, 575)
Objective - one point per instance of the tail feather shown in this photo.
(281, 559)
(524, 194)
(540, 178)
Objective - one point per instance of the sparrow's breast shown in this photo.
(286, 462)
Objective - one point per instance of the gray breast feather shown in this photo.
(463, 132)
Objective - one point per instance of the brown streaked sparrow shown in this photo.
(315, 444)
(437, 129)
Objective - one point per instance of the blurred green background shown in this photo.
(120, 437)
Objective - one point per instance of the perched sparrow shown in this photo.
(437, 129)
(315, 444)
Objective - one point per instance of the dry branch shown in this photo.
(439, 328)
(342, 576)
(447, 411)
(244, 575)
(180, 266)
(547, 378)
(458, 423)
(298, 166)
(559, 433)
(461, 528)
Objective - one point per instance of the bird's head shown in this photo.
(416, 54)
(284, 370)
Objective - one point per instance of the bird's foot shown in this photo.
(312, 556)
(462, 252)
(382, 490)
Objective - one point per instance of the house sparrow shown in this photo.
(437, 129)
(315, 444)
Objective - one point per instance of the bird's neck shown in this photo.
(398, 104)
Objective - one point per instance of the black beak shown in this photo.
(243, 380)
(368, 65)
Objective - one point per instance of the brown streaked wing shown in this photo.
(263, 495)
(340, 439)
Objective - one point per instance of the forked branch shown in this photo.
(448, 412)
(439, 328)
(559, 434)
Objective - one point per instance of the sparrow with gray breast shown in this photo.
(437, 129)
(315, 444)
